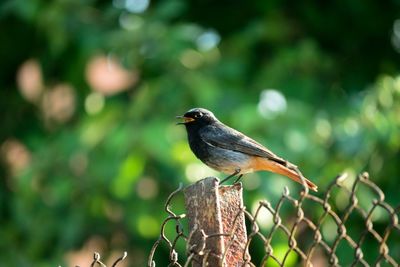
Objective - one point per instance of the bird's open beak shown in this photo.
(184, 119)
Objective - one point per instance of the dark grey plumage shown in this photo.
(227, 150)
(220, 146)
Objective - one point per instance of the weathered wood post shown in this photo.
(216, 223)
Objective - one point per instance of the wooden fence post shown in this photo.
(216, 223)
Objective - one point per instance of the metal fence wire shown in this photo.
(316, 231)
(98, 262)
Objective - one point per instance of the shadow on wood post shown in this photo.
(216, 223)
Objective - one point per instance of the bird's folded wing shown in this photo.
(228, 138)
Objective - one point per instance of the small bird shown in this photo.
(229, 151)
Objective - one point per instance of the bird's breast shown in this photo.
(220, 159)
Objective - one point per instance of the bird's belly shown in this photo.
(228, 161)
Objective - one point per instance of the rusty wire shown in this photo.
(293, 228)
(97, 260)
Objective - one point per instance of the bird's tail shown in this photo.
(268, 165)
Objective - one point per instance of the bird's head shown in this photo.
(197, 117)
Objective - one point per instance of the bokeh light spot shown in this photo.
(370, 112)
(30, 81)
(129, 172)
(323, 129)
(329, 229)
(351, 127)
(113, 211)
(107, 76)
(136, 6)
(130, 22)
(208, 40)
(281, 251)
(396, 84)
(385, 96)
(94, 103)
(272, 102)
(191, 59)
(396, 35)
(197, 171)
(252, 183)
(78, 163)
(79, 257)
(264, 218)
(148, 226)
(16, 155)
(296, 140)
(147, 188)
(181, 152)
(58, 103)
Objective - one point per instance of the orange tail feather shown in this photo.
(268, 165)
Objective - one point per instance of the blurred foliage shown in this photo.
(90, 89)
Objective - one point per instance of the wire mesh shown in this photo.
(317, 238)
(98, 262)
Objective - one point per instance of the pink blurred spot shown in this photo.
(107, 76)
(16, 155)
(29, 80)
(84, 256)
(58, 103)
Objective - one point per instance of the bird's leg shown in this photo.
(238, 179)
(237, 171)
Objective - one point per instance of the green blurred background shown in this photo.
(90, 90)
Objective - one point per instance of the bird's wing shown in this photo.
(222, 136)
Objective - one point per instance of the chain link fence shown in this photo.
(98, 262)
(315, 233)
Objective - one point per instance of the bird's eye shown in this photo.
(198, 115)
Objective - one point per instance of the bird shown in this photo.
(227, 150)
